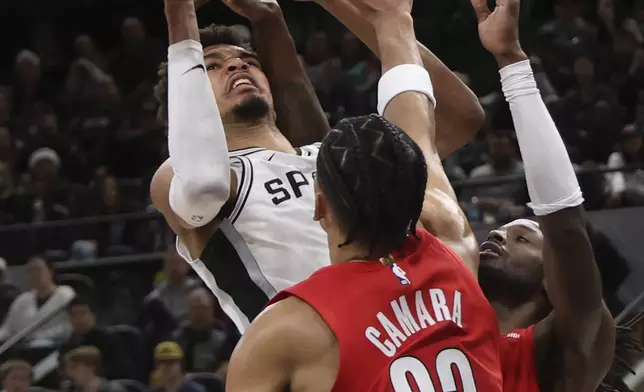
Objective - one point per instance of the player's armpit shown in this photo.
(160, 196)
(300, 116)
(277, 349)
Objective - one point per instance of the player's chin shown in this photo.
(251, 107)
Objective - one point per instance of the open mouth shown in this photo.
(491, 248)
(240, 81)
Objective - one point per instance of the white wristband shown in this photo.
(403, 78)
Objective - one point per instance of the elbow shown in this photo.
(473, 119)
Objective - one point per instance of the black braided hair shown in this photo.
(209, 36)
(627, 350)
(374, 177)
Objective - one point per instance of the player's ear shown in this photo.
(320, 207)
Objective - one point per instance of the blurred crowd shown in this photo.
(79, 137)
(179, 340)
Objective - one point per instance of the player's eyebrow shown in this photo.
(219, 56)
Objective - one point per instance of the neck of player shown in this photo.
(518, 317)
(239, 136)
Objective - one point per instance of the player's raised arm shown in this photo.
(406, 98)
(458, 117)
(580, 330)
(300, 116)
(195, 183)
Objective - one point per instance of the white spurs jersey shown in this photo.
(270, 240)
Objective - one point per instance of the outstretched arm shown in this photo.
(580, 331)
(191, 188)
(300, 116)
(458, 117)
(405, 97)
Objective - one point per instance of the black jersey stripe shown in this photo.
(242, 196)
(236, 271)
(245, 151)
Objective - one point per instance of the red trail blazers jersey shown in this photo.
(518, 361)
(421, 324)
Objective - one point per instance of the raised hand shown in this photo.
(499, 29)
(253, 10)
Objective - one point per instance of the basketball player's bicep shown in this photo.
(263, 360)
(160, 196)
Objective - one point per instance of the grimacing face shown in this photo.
(511, 264)
(236, 78)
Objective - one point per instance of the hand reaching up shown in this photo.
(499, 29)
(253, 10)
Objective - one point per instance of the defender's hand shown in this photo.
(499, 29)
(373, 9)
(253, 10)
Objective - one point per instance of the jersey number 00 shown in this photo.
(403, 367)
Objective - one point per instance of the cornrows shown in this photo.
(627, 348)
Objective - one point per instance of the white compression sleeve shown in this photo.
(196, 140)
(552, 183)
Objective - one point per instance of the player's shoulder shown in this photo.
(293, 323)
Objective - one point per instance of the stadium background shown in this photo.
(79, 142)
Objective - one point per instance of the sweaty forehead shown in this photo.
(524, 224)
(226, 51)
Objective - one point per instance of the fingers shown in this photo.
(481, 9)
(512, 5)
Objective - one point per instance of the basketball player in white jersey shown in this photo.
(244, 218)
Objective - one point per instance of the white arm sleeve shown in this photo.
(196, 140)
(551, 179)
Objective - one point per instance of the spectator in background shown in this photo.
(502, 202)
(83, 365)
(627, 188)
(175, 290)
(44, 297)
(7, 195)
(8, 292)
(85, 332)
(16, 376)
(134, 63)
(168, 356)
(316, 60)
(119, 237)
(167, 304)
(28, 88)
(206, 345)
(85, 48)
(568, 28)
(8, 153)
(47, 198)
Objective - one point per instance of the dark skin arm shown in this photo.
(300, 116)
(575, 344)
(459, 114)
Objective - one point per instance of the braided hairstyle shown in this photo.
(374, 177)
(209, 36)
